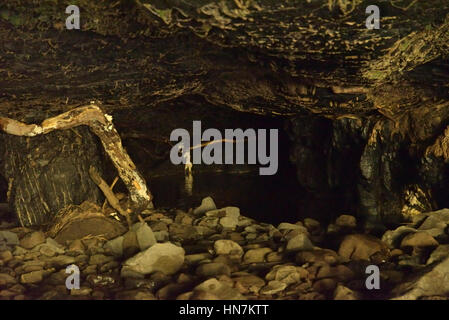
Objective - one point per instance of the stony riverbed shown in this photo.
(209, 253)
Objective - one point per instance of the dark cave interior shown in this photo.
(86, 116)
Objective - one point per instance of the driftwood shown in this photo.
(109, 194)
(100, 124)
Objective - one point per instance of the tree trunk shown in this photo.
(48, 172)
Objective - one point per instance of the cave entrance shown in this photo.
(270, 199)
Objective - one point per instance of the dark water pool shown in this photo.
(270, 199)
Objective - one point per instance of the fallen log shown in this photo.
(101, 125)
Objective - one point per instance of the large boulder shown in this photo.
(164, 257)
(361, 247)
(432, 281)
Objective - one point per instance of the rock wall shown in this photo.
(384, 168)
(49, 172)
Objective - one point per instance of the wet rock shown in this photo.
(299, 243)
(148, 284)
(289, 226)
(212, 269)
(100, 259)
(183, 218)
(115, 246)
(91, 269)
(76, 246)
(317, 256)
(231, 218)
(393, 276)
(287, 274)
(82, 291)
(9, 237)
(197, 295)
(360, 247)
(256, 255)
(184, 278)
(15, 290)
(245, 221)
(135, 295)
(273, 287)
(109, 266)
(204, 232)
(346, 221)
(198, 257)
(324, 285)
(333, 229)
(340, 273)
(81, 259)
(33, 265)
(410, 261)
(312, 225)
(236, 237)
(418, 239)
(144, 234)
(49, 248)
(183, 232)
(57, 278)
(274, 257)
(344, 293)
(6, 256)
(210, 222)
(130, 244)
(439, 254)
(393, 238)
(172, 290)
(165, 257)
(250, 283)
(207, 204)
(228, 247)
(32, 277)
(6, 279)
(431, 219)
(251, 236)
(161, 236)
(102, 281)
(432, 282)
(160, 225)
(60, 261)
(32, 239)
(219, 289)
(291, 233)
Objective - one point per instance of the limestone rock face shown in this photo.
(356, 101)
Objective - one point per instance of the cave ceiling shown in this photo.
(265, 57)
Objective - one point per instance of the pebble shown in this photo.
(9, 237)
(228, 247)
(219, 289)
(360, 247)
(165, 257)
(212, 269)
(207, 204)
(32, 277)
(273, 287)
(256, 255)
(287, 274)
(32, 239)
(299, 243)
(346, 221)
(419, 239)
(343, 293)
